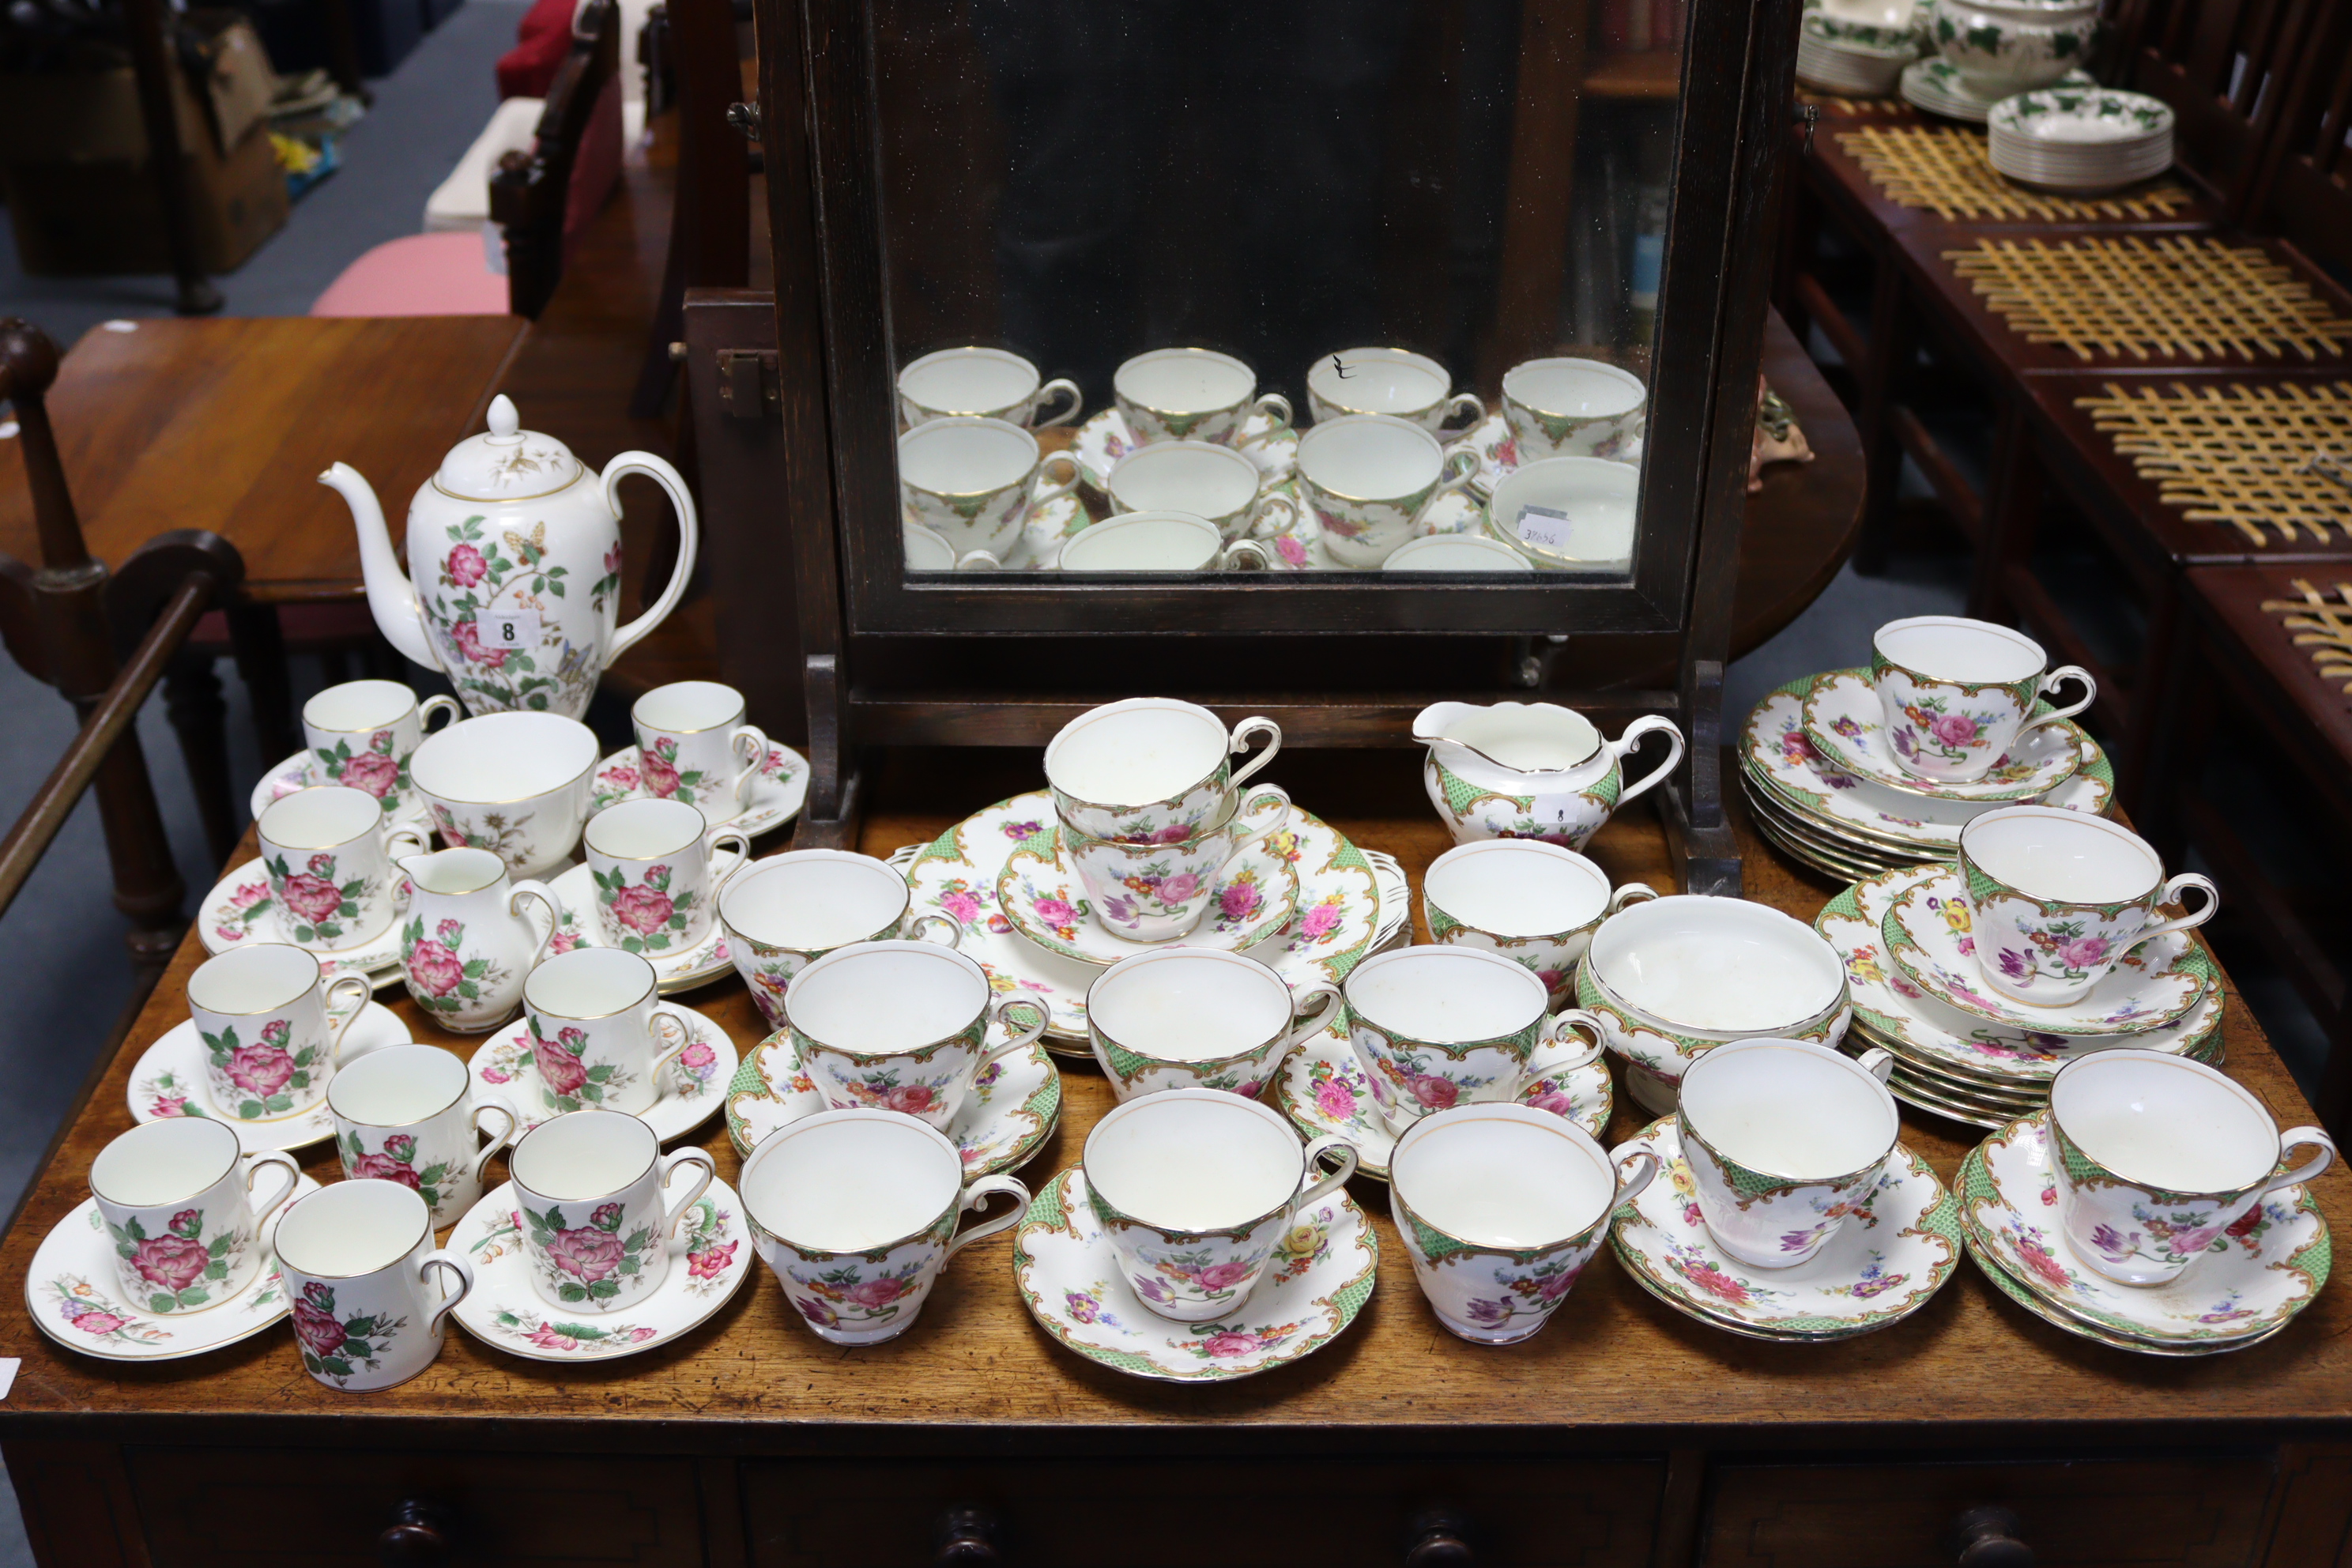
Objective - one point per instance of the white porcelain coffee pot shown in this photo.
(513, 584)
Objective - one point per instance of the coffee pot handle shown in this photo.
(2171, 895)
(979, 1192)
(1023, 1038)
(527, 889)
(669, 1167)
(1332, 1144)
(690, 535)
(2295, 1137)
(441, 1257)
(1648, 724)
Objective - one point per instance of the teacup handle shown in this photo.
(1468, 406)
(954, 936)
(441, 1257)
(654, 1032)
(505, 1136)
(1647, 725)
(727, 838)
(977, 560)
(751, 760)
(1275, 407)
(1582, 1018)
(2171, 894)
(1276, 820)
(1042, 489)
(1878, 1064)
(1255, 524)
(408, 833)
(1021, 1039)
(1064, 386)
(1238, 742)
(346, 983)
(1459, 467)
(528, 889)
(1244, 550)
(1630, 893)
(1330, 1144)
(2293, 1137)
(1322, 1019)
(1644, 1161)
(2051, 682)
(669, 1168)
(979, 1192)
(282, 1160)
(432, 705)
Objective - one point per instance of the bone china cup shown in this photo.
(1369, 478)
(269, 1042)
(174, 1196)
(1500, 1209)
(1598, 495)
(900, 1025)
(1534, 903)
(1196, 1188)
(362, 733)
(1161, 890)
(971, 481)
(1784, 1138)
(855, 1212)
(693, 746)
(650, 860)
(1669, 979)
(514, 783)
(596, 1036)
(1191, 395)
(991, 383)
(2057, 899)
(589, 1189)
(1198, 477)
(329, 862)
(1150, 769)
(1958, 693)
(783, 913)
(1395, 382)
(1158, 542)
(403, 1114)
(1438, 1026)
(370, 1290)
(1193, 1018)
(2156, 1157)
(1572, 407)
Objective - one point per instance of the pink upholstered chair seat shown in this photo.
(418, 275)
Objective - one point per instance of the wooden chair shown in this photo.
(2223, 66)
(2303, 192)
(542, 198)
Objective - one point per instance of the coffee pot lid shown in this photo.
(506, 462)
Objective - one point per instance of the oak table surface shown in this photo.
(1614, 1368)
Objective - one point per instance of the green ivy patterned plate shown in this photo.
(1845, 721)
(684, 970)
(1320, 1277)
(709, 1258)
(1003, 1121)
(693, 1088)
(2254, 1277)
(70, 1292)
(1883, 1265)
(170, 1081)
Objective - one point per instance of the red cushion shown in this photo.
(420, 275)
(528, 70)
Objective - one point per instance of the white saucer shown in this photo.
(1320, 1276)
(703, 962)
(1104, 438)
(170, 1078)
(775, 799)
(502, 1066)
(1324, 1074)
(294, 773)
(69, 1292)
(239, 909)
(1928, 936)
(710, 1256)
(1012, 1105)
(1299, 547)
(1844, 717)
(1255, 895)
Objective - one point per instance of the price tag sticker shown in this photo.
(8, 1366)
(1543, 527)
(514, 631)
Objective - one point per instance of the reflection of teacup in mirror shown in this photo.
(1395, 382)
(1198, 477)
(1456, 552)
(992, 383)
(1158, 542)
(1583, 511)
(1370, 479)
(1572, 407)
(973, 480)
(1192, 395)
(927, 551)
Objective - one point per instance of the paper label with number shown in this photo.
(1543, 527)
(511, 631)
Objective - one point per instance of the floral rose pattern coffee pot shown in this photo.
(513, 585)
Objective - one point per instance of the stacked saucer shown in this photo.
(1956, 1060)
(1935, 85)
(1857, 48)
(1854, 819)
(2072, 140)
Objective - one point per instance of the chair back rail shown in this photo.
(2305, 196)
(2222, 65)
(531, 192)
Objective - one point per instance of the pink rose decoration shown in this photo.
(620, 776)
(913, 1098)
(1553, 1101)
(1057, 912)
(1796, 746)
(587, 1254)
(1240, 902)
(1320, 921)
(1437, 1093)
(187, 1222)
(373, 772)
(260, 1071)
(95, 1322)
(1229, 1343)
(467, 567)
(1290, 549)
(2084, 951)
(383, 1168)
(613, 560)
(697, 1057)
(1954, 729)
(318, 1331)
(562, 1072)
(312, 899)
(711, 1264)
(449, 931)
(1249, 1090)
(322, 866)
(1174, 833)
(661, 779)
(547, 1339)
(1223, 1275)
(962, 908)
(873, 1293)
(468, 639)
(606, 1218)
(250, 894)
(170, 1105)
(434, 968)
(642, 908)
(1177, 889)
(173, 1262)
(816, 1311)
(563, 941)
(639, 1336)
(1332, 1095)
(497, 1075)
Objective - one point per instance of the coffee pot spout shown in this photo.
(390, 598)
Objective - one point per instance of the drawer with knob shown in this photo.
(1177, 1514)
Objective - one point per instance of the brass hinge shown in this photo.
(750, 383)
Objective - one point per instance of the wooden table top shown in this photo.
(1615, 1367)
(225, 423)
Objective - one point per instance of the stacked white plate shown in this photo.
(2066, 138)
(1856, 47)
(1935, 84)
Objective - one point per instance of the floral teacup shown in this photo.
(361, 734)
(650, 860)
(1370, 480)
(901, 1025)
(1193, 1018)
(1191, 395)
(988, 383)
(783, 913)
(174, 1197)
(1534, 903)
(1957, 693)
(328, 858)
(596, 1034)
(588, 1191)
(1572, 408)
(1151, 769)
(269, 1041)
(1160, 891)
(1395, 382)
(973, 482)
(405, 1114)
(693, 746)
(1439, 1026)
(358, 1256)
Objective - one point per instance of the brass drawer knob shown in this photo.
(418, 1533)
(1989, 1538)
(967, 1539)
